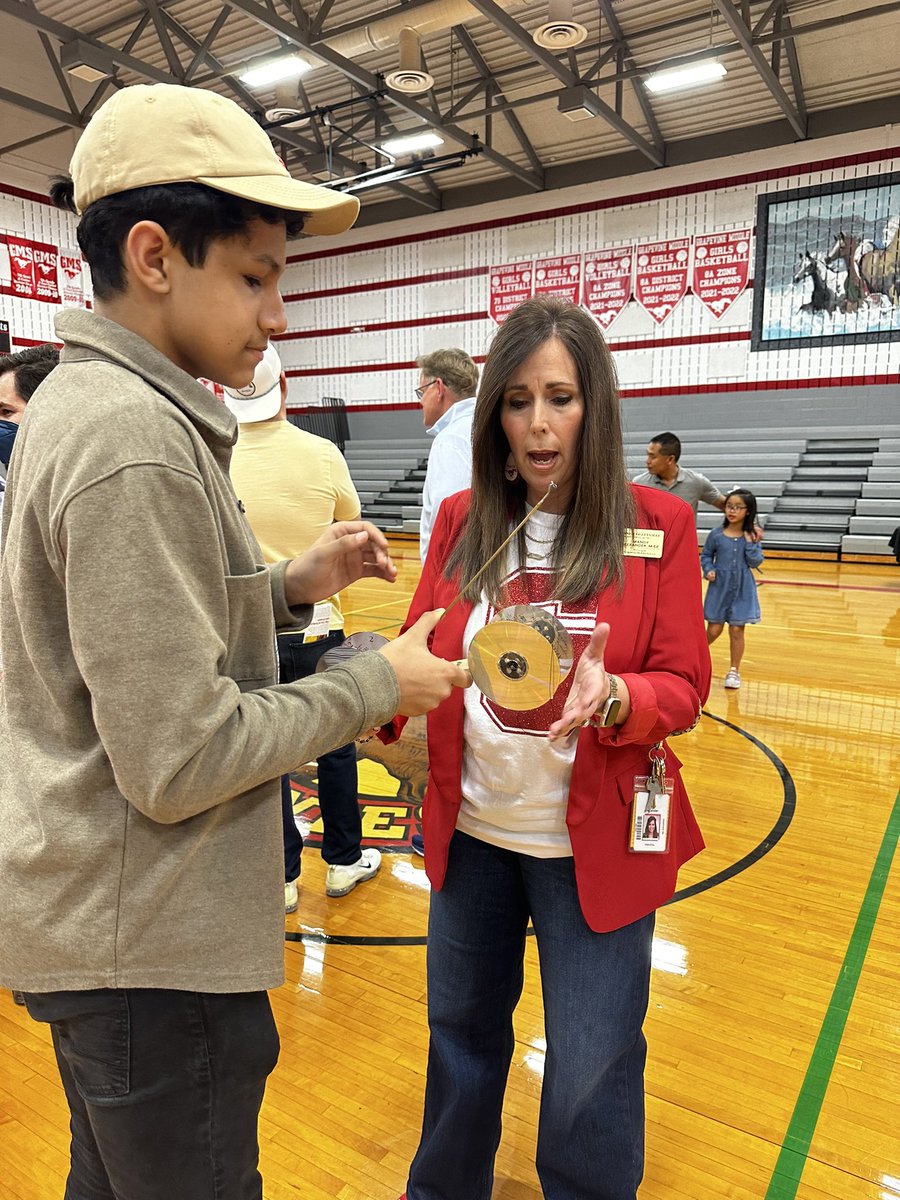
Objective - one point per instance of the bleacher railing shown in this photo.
(327, 419)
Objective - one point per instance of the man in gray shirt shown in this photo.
(664, 472)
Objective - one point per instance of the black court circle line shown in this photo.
(772, 838)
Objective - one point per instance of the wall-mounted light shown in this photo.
(86, 61)
(673, 79)
(288, 66)
(409, 143)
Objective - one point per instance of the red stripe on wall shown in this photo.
(380, 285)
(636, 393)
(377, 326)
(26, 343)
(698, 339)
(786, 173)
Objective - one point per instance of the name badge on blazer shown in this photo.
(643, 543)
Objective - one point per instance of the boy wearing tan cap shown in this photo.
(142, 732)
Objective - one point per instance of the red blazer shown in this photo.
(657, 644)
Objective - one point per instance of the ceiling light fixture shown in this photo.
(409, 143)
(288, 66)
(673, 79)
(86, 61)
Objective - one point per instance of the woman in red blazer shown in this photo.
(528, 815)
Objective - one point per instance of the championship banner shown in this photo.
(510, 286)
(721, 268)
(607, 283)
(33, 267)
(559, 276)
(662, 276)
(71, 276)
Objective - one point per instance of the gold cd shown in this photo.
(514, 665)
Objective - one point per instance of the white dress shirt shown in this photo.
(449, 464)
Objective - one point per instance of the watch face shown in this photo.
(610, 711)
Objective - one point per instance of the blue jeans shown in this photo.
(164, 1090)
(595, 990)
(338, 784)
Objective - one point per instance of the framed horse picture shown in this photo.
(828, 264)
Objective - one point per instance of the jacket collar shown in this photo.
(87, 335)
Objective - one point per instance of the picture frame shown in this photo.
(828, 264)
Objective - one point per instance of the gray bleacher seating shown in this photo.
(832, 490)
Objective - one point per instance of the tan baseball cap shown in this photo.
(164, 133)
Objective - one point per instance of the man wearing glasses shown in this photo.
(448, 380)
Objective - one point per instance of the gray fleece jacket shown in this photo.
(142, 732)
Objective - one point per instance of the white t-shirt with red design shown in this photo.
(515, 782)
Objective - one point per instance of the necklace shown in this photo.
(536, 541)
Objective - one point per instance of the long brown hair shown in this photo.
(589, 545)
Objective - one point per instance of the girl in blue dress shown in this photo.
(728, 557)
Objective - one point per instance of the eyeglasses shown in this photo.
(735, 507)
(420, 391)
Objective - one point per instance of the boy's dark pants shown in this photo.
(164, 1088)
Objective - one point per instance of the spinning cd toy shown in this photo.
(520, 657)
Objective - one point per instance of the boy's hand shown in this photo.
(346, 551)
(710, 575)
(756, 535)
(424, 679)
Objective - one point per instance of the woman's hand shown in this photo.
(346, 551)
(710, 575)
(590, 688)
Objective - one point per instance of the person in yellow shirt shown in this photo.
(293, 485)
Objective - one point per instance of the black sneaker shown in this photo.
(418, 844)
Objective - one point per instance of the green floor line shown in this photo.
(795, 1147)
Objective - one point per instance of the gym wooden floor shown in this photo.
(774, 1064)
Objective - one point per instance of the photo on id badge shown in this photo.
(650, 816)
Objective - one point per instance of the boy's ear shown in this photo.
(147, 254)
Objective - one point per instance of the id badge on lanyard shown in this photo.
(651, 807)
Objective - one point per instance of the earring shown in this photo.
(511, 470)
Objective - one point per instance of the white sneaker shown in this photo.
(733, 679)
(340, 880)
(290, 896)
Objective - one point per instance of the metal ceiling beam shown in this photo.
(478, 62)
(615, 29)
(65, 33)
(30, 141)
(162, 34)
(42, 110)
(50, 51)
(488, 8)
(790, 49)
(200, 55)
(733, 20)
(371, 83)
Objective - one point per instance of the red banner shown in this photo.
(662, 275)
(511, 284)
(33, 267)
(71, 277)
(607, 283)
(721, 268)
(559, 276)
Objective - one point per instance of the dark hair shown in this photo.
(31, 367)
(589, 546)
(668, 443)
(750, 516)
(194, 216)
